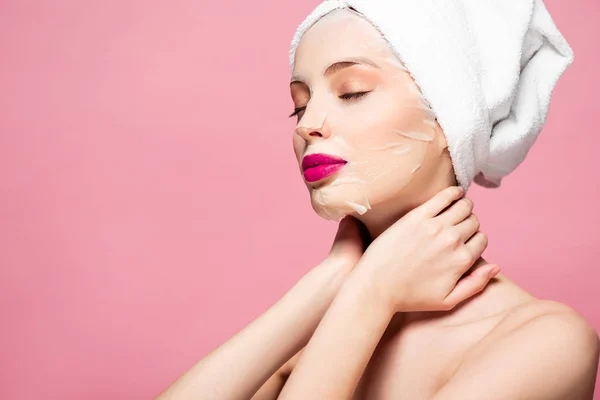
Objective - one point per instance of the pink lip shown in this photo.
(320, 166)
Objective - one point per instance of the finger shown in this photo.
(477, 244)
(437, 203)
(457, 212)
(467, 228)
(471, 284)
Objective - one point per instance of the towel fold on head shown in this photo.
(486, 67)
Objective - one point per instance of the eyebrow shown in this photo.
(338, 65)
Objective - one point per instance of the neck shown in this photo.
(383, 215)
(436, 177)
(499, 295)
(378, 220)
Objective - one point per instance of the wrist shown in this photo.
(317, 288)
(330, 275)
(308, 300)
(362, 284)
(334, 268)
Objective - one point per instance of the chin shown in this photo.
(335, 202)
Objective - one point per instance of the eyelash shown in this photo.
(345, 96)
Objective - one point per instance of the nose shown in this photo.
(313, 127)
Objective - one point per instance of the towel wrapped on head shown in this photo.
(487, 68)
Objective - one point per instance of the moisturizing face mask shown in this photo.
(491, 112)
(364, 130)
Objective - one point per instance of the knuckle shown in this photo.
(465, 257)
(414, 217)
(453, 237)
(410, 217)
(433, 227)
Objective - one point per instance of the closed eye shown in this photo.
(345, 96)
(297, 111)
(348, 96)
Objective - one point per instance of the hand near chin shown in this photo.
(416, 264)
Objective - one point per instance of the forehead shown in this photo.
(340, 34)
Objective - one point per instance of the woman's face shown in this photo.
(355, 101)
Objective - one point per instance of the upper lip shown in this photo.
(312, 160)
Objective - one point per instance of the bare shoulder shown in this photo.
(548, 317)
(544, 321)
(540, 344)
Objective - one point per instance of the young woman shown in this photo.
(404, 306)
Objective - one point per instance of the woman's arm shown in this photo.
(241, 366)
(553, 356)
(271, 389)
(415, 266)
(412, 266)
(337, 355)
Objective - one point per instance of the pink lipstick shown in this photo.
(319, 166)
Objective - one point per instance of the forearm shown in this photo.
(239, 367)
(338, 352)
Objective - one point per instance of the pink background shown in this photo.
(135, 237)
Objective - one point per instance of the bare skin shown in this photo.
(257, 360)
(471, 336)
(416, 357)
(497, 344)
(374, 337)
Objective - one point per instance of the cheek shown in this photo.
(389, 149)
(388, 116)
(392, 134)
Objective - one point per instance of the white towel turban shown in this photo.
(487, 68)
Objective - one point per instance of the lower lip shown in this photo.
(321, 171)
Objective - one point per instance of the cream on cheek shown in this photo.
(384, 135)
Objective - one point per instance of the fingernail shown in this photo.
(494, 271)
